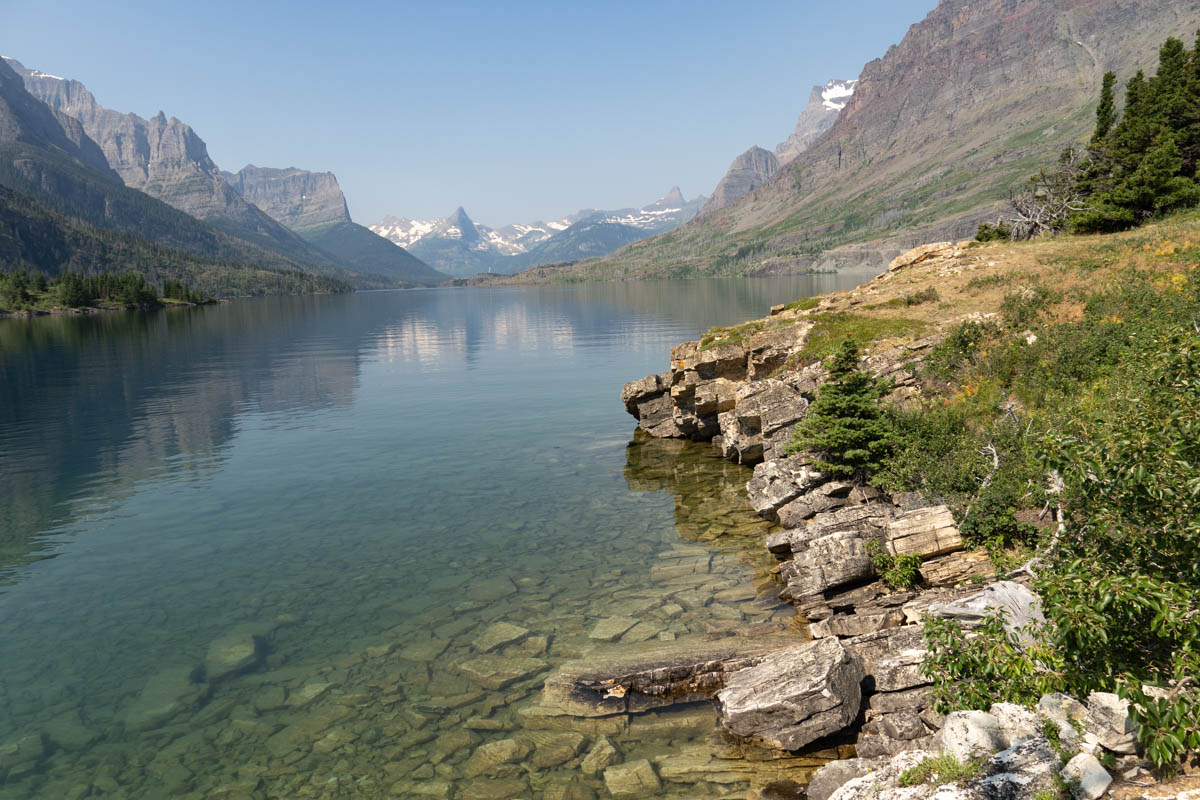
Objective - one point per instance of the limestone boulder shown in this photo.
(831, 777)
(166, 695)
(795, 696)
(769, 350)
(489, 759)
(921, 253)
(969, 734)
(1108, 721)
(826, 562)
(649, 401)
(761, 422)
(1091, 780)
(602, 754)
(638, 677)
(779, 481)
(925, 532)
(498, 635)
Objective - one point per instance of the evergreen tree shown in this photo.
(1106, 112)
(845, 428)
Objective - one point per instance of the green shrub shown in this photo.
(898, 571)
(993, 233)
(960, 347)
(927, 295)
(1022, 309)
(992, 665)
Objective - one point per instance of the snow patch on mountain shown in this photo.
(668, 211)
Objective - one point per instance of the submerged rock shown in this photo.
(231, 655)
(635, 779)
(498, 635)
(602, 754)
(795, 696)
(165, 695)
(498, 672)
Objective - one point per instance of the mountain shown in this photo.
(748, 171)
(824, 104)
(167, 160)
(461, 247)
(34, 238)
(311, 205)
(972, 101)
(25, 120)
(52, 166)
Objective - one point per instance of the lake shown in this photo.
(261, 549)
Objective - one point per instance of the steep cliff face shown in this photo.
(299, 199)
(23, 119)
(167, 160)
(312, 205)
(974, 99)
(748, 171)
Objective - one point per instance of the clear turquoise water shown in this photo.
(335, 475)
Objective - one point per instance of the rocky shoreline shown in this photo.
(859, 675)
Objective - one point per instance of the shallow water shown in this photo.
(354, 490)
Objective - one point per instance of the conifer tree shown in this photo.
(1106, 112)
(846, 428)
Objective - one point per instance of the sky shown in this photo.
(515, 111)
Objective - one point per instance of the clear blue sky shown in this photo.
(516, 111)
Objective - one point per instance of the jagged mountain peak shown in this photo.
(672, 199)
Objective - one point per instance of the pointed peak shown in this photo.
(672, 199)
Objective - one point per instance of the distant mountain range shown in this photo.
(459, 246)
(70, 155)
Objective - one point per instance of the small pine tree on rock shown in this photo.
(846, 428)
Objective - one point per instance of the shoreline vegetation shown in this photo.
(32, 294)
(986, 465)
(1041, 398)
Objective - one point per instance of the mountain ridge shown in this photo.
(592, 232)
(933, 138)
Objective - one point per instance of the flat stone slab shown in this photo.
(610, 628)
(499, 635)
(497, 672)
(634, 779)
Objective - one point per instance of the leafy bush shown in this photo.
(898, 571)
(973, 669)
(1022, 309)
(960, 347)
(1125, 587)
